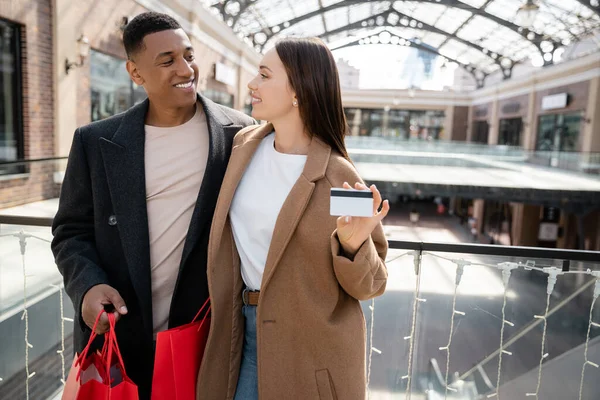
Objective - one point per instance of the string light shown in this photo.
(506, 268)
(372, 308)
(22, 236)
(553, 273)
(460, 264)
(398, 257)
(63, 319)
(591, 324)
(417, 256)
(23, 244)
(372, 325)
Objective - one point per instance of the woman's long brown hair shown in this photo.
(313, 75)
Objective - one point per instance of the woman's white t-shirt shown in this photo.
(258, 199)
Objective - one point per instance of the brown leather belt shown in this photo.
(250, 297)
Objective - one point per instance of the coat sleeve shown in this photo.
(73, 244)
(363, 276)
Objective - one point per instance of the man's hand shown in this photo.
(95, 301)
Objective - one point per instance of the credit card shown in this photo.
(351, 202)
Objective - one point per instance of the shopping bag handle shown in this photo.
(111, 338)
(206, 303)
(86, 350)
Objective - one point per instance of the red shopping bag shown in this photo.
(100, 375)
(179, 352)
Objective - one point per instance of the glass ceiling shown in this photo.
(482, 36)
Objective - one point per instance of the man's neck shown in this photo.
(163, 117)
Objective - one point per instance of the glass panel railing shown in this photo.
(35, 314)
(448, 153)
(455, 330)
(35, 327)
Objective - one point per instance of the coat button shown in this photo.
(112, 220)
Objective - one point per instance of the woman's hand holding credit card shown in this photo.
(359, 214)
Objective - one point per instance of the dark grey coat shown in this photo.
(101, 228)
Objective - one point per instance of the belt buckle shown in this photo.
(245, 296)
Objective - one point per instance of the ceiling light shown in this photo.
(527, 13)
(506, 62)
(546, 46)
(384, 37)
(537, 60)
(558, 54)
(260, 38)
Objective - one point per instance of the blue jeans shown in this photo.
(247, 386)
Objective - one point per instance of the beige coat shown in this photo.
(311, 329)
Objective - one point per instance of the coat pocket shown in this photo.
(325, 385)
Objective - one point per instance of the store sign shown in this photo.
(511, 108)
(555, 101)
(225, 74)
(548, 232)
(481, 112)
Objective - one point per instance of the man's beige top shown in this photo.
(175, 161)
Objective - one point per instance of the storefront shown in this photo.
(497, 221)
(403, 124)
(560, 118)
(511, 113)
(481, 127)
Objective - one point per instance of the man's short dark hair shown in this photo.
(141, 26)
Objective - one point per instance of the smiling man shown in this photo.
(138, 196)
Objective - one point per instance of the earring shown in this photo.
(295, 103)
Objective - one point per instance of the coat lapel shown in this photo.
(221, 132)
(295, 204)
(123, 157)
(293, 207)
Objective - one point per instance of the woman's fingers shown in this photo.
(376, 199)
(360, 186)
(384, 210)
